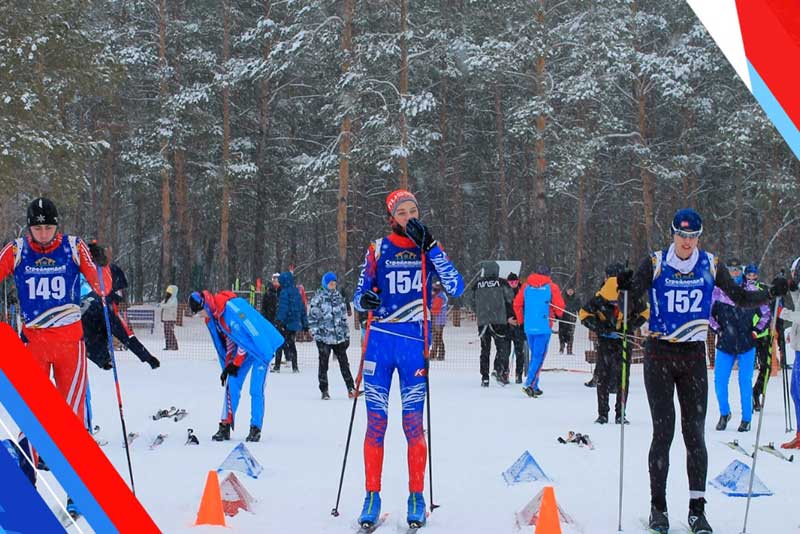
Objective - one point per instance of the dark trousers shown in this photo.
(288, 348)
(763, 351)
(662, 377)
(608, 373)
(566, 332)
(171, 342)
(340, 351)
(502, 343)
(518, 339)
(437, 347)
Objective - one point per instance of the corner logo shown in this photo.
(405, 255)
(420, 372)
(45, 262)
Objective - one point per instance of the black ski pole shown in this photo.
(622, 391)
(760, 421)
(116, 376)
(427, 375)
(335, 511)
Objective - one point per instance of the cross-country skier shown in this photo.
(679, 282)
(244, 339)
(47, 266)
(763, 339)
(794, 316)
(391, 285)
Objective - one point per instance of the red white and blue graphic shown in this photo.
(761, 39)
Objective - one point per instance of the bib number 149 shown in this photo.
(46, 288)
(684, 300)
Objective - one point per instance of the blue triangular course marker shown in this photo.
(735, 480)
(241, 460)
(22, 510)
(525, 469)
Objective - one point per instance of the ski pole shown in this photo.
(116, 376)
(760, 422)
(623, 391)
(335, 511)
(787, 400)
(427, 372)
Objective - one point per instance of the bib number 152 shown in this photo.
(684, 300)
(46, 288)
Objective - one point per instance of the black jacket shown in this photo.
(492, 298)
(269, 304)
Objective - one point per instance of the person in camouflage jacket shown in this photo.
(327, 319)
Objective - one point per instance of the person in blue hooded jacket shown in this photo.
(290, 319)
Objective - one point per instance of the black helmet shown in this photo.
(42, 211)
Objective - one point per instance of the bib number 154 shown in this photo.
(684, 300)
(401, 282)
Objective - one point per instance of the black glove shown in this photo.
(230, 369)
(153, 362)
(780, 286)
(625, 280)
(98, 254)
(106, 366)
(419, 234)
(370, 300)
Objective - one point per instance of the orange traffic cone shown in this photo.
(547, 521)
(210, 512)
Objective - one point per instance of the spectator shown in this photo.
(169, 316)
(517, 335)
(327, 319)
(269, 304)
(566, 326)
(439, 312)
(290, 318)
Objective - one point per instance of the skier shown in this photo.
(390, 286)
(243, 340)
(737, 330)
(47, 265)
(327, 319)
(763, 339)
(603, 315)
(538, 302)
(679, 282)
(794, 316)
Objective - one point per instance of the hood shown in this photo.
(173, 294)
(609, 290)
(490, 269)
(328, 278)
(538, 280)
(286, 279)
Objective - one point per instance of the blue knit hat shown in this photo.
(751, 268)
(327, 278)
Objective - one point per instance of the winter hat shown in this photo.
(687, 223)
(512, 276)
(751, 268)
(614, 269)
(397, 197)
(196, 302)
(42, 211)
(327, 278)
(734, 263)
(543, 269)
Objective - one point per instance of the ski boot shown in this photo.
(484, 382)
(275, 369)
(529, 391)
(325, 395)
(659, 522)
(618, 419)
(744, 426)
(502, 379)
(756, 402)
(723, 422)
(254, 435)
(224, 432)
(793, 444)
(416, 510)
(371, 510)
(591, 383)
(538, 392)
(72, 510)
(698, 523)
(601, 419)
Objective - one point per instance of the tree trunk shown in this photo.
(185, 244)
(263, 176)
(403, 92)
(223, 275)
(502, 226)
(581, 232)
(138, 244)
(344, 142)
(540, 207)
(166, 234)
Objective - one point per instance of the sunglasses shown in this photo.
(688, 235)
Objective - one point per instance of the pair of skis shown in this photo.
(155, 443)
(412, 528)
(576, 437)
(769, 448)
(172, 412)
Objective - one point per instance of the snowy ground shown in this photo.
(477, 434)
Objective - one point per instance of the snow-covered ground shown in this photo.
(477, 434)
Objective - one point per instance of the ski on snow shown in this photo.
(770, 448)
(734, 445)
(581, 439)
(372, 528)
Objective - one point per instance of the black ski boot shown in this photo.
(325, 395)
(254, 435)
(698, 523)
(484, 382)
(659, 522)
(591, 383)
(529, 392)
(601, 419)
(618, 420)
(744, 426)
(723, 422)
(224, 432)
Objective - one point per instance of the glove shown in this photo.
(419, 234)
(98, 254)
(106, 366)
(370, 300)
(780, 286)
(625, 280)
(230, 369)
(153, 362)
